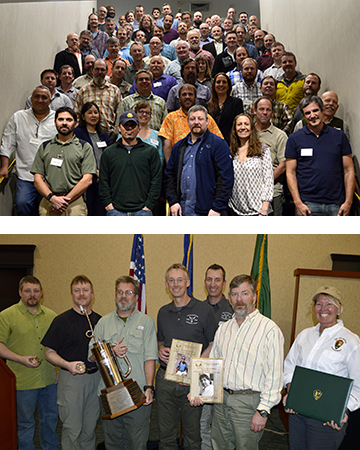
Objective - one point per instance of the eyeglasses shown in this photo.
(127, 293)
(144, 113)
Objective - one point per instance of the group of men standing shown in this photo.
(35, 341)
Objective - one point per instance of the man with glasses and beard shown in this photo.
(253, 370)
(133, 334)
(63, 169)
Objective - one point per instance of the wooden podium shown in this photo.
(7, 408)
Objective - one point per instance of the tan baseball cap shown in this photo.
(329, 290)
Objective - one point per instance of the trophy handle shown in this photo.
(129, 366)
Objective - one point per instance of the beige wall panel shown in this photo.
(322, 34)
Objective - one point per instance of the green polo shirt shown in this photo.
(139, 336)
(64, 164)
(21, 332)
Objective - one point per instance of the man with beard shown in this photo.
(130, 189)
(252, 386)
(282, 117)
(217, 45)
(311, 86)
(319, 166)
(99, 38)
(71, 56)
(66, 346)
(85, 44)
(87, 78)
(259, 37)
(110, 27)
(197, 19)
(189, 73)
(243, 18)
(104, 94)
(195, 49)
(132, 334)
(183, 34)
(22, 325)
(290, 87)
(23, 134)
(169, 33)
(175, 125)
(63, 169)
(199, 176)
(113, 47)
(248, 89)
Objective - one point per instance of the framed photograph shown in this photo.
(207, 379)
(181, 352)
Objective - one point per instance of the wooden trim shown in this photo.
(7, 408)
(326, 273)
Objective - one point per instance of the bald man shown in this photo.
(71, 56)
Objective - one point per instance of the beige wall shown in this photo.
(323, 35)
(30, 35)
(58, 258)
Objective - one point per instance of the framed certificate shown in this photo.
(181, 352)
(207, 379)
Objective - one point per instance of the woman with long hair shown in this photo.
(222, 107)
(204, 75)
(90, 130)
(253, 172)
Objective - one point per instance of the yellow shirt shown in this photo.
(21, 332)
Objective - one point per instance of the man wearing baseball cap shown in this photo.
(130, 172)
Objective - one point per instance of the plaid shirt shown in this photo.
(246, 93)
(107, 97)
(158, 108)
(282, 117)
(99, 41)
(235, 76)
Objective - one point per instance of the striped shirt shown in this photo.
(253, 357)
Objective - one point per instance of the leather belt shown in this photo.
(92, 370)
(242, 392)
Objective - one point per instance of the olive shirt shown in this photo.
(77, 160)
(139, 336)
(22, 332)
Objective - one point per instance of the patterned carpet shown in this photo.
(275, 436)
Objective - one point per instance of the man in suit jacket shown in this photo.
(217, 45)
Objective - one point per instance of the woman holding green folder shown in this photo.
(328, 347)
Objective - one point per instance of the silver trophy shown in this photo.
(120, 396)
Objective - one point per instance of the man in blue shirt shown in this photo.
(319, 167)
(199, 176)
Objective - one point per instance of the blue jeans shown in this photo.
(321, 209)
(26, 401)
(142, 212)
(27, 199)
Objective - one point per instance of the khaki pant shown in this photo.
(76, 208)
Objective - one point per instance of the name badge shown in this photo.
(56, 162)
(157, 84)
(306, 152)
(101, 144)
(154, 142)
(35, 141)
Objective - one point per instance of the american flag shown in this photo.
(137, 269)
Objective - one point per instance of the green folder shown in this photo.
(319, 395)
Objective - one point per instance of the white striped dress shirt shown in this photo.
(253, 357)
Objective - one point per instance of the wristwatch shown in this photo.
(49, 196)
(262, 413)
(149, 387)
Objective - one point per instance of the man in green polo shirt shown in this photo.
(22, 326)
(63, 169)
